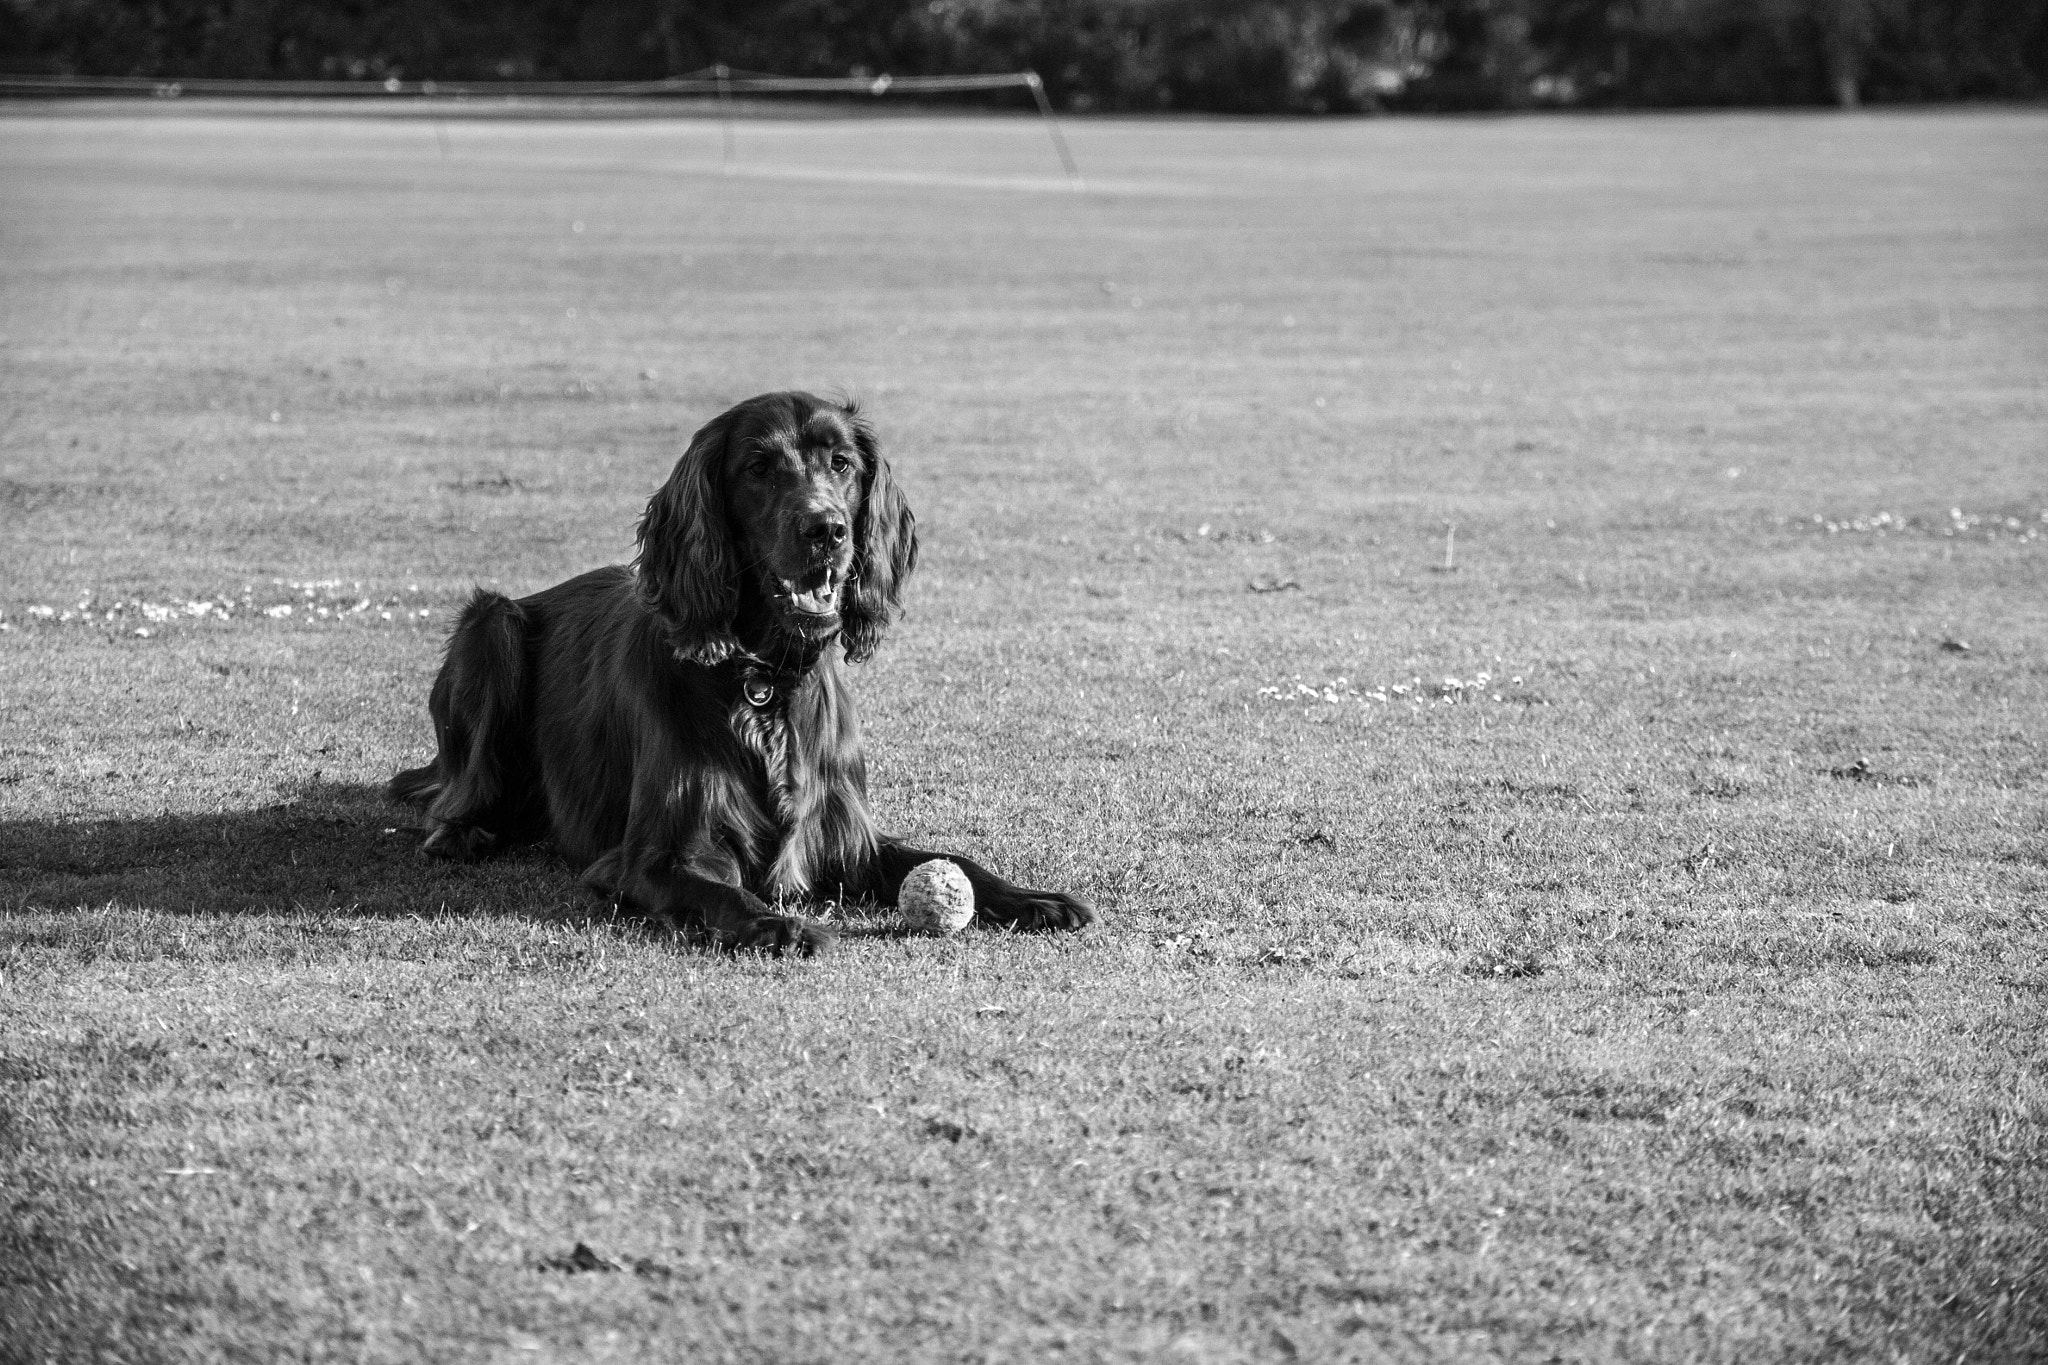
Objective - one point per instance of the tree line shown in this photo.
(1222, 56)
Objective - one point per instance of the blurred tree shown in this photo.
(1476, 54)
(1239, 56)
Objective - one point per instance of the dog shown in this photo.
(681, 729)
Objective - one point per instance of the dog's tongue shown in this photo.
(817, 601)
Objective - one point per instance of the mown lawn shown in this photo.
(1624, 940)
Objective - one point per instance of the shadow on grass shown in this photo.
(335, 847)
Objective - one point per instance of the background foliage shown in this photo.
(1267, 56)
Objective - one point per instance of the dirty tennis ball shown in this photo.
(936, 898)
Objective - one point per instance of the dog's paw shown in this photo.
(603, 877)
(1034, 911)
(459, 843)
(778, 935)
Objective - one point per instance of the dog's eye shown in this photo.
(840, 464)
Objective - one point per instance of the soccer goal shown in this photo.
(720, 83)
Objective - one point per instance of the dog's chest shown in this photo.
(763, 728)
(785, 862)
(811, 833)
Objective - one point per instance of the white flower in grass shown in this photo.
(278, 612)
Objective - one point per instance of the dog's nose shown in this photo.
(825, 530)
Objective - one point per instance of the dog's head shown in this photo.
(779, 526)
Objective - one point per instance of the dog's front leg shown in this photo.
(736, 918)
(676, 864)
(697, 885)
(997, 902)
(702, 888)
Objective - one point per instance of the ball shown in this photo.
(936, 898)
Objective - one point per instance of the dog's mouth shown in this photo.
(813, 600)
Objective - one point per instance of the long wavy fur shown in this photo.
(885, 549)
(687, 571)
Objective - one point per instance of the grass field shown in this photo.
(1625, 945)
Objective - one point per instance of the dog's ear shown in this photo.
(687, 572)
(884, 550)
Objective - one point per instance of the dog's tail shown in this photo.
(476, 705)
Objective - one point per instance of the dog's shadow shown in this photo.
(335, 847)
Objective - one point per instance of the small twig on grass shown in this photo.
(583, 1261)
(1861, 771)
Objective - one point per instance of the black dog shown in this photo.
(682, 728)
